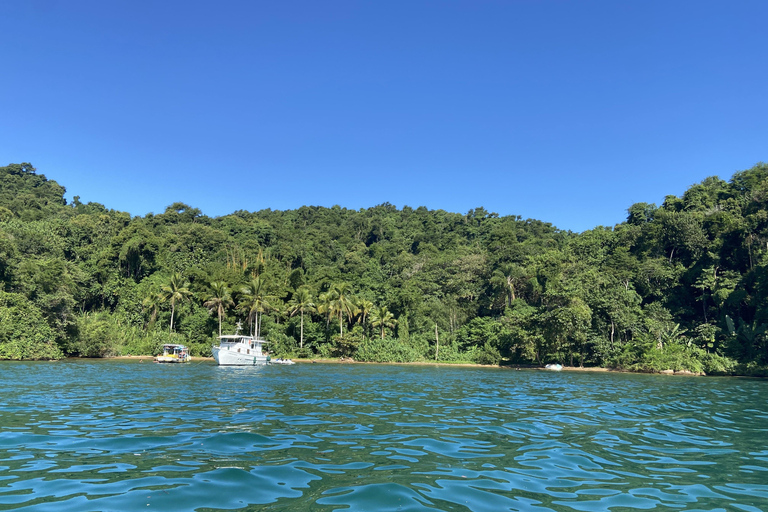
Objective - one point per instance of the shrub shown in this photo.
(96, 336)
(151, 343)
(752, 369)
(671, 357)
(715, 364)
(487, 355)
(24, 334)
(449, 353)
(387, 350)
(327, 351)
(281, 345)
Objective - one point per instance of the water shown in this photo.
(124, 435)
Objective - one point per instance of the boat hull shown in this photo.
(226, 357)
(171, 359)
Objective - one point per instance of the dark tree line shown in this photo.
(679, 286)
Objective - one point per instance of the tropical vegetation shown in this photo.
(680, 286)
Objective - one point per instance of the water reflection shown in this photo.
(110, 435)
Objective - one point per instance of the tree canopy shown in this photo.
(683, 285)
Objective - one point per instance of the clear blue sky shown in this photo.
(563, 111)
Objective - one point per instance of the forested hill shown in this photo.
(679, 286)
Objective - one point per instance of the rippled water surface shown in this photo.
(124, 435)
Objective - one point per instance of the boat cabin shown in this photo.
(249, 345)
(174, 353)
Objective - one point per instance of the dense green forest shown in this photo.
(680, 286)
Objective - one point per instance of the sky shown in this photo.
(563, 111)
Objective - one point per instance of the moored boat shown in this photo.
(239, 350)
(174, 353)
(554, 367)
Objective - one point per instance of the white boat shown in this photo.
(239, 350)
(174, 353)
(554, 367)
(281, 361)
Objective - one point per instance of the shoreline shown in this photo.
(591, 369)
(412, 363)
(587, 369)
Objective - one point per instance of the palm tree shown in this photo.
(363, 307)
(278, 308)
(325, 306)
(383, 318)
(218, 298)
(508, 278)
(254, 301)
(176, 290)
(342, 303)
(301, 302)
(151, 303)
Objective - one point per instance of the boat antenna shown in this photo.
(239, 327)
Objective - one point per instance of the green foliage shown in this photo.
(484, 338)
(681, 358)
(327, 351)
(283, 346)
(672, 357)
(150, 343)
(30, 196)
(24, 334)
(487, 354)
(174, 291)
(382, 319)
(218, 299)
(751, 369)
(98, 335)
(450, 353)
(346, 345)
(681, 285)
(385, 350)
(102, 334)
(716, 364)
(198, 329)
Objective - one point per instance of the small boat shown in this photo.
(554, 367)
(174, 353)
(281, 361)
(239, 350)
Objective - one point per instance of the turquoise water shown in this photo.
(117, 435)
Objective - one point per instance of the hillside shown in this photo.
(681, 285)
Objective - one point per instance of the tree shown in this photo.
(382, 318)
(567, 329)
(341, 303)
(363, 308)
(254, 301)
(681, 232)
(508, 278)
(24, 334)
(217, 298)
(640, 213)
(175, 290)
(301, 302)
(150, 303)
(521, 289)
(325, 306)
